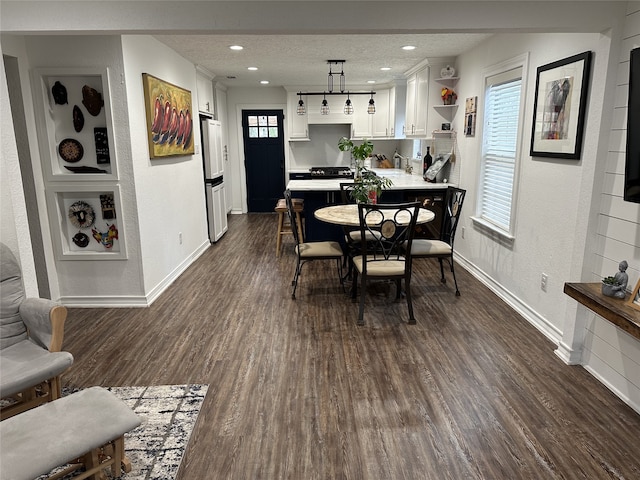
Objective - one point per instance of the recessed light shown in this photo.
(264, 82)
(384, 69)
(371, 81)
(253, 69)
(409, 47)
(236, 47)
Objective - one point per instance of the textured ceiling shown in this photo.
(301, 60)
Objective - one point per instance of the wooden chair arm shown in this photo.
(57, 315)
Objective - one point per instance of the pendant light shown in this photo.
(301, 110)
(324, 109)
(371, 109)
(348, 107)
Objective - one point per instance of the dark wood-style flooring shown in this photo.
(298, 391)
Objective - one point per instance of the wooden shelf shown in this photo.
(615, 310)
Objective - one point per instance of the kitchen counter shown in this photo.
(401, 181)
(406, 188)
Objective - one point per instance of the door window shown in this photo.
(263, 126)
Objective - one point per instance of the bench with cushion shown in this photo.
(85, 429)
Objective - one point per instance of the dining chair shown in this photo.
(352, 235)
(391, 225)
(442, 249)
(309, 251)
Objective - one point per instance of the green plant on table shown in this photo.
(365, 181)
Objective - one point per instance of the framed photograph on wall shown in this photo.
(470, 108)
(169, 118)
(634, 299)
(559, 108)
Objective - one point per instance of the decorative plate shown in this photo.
(447, 72)
(70, 150)
(81, 214)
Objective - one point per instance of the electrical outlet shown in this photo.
(180, 237)
(543, 282)
(462, 232)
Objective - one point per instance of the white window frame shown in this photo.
(520, 62)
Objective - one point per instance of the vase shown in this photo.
(448, 100)
(607, 290)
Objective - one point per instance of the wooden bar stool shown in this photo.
(284, 227)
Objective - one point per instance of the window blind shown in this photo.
(500, 147)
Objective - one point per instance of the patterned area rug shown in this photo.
(168, 414)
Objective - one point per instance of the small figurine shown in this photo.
(59, 93)
(617, 285)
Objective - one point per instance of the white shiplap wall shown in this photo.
(609, 353)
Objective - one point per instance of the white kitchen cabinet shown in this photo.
(298, 125)
(212, 148)
(218, 224)
(417, 104)
(204, 88)
(361, 127)
(220, 92)
(380, 124)
(383, 121)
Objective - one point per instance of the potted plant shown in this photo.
(610, 286)
(367, 185)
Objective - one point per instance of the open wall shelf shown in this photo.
(73, 112)
(86, 222)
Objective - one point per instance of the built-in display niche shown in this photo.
(75, 124)
(86, 223)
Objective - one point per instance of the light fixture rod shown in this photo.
(337, 93)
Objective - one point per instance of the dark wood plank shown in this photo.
(298, 391)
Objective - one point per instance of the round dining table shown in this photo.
(347, 215)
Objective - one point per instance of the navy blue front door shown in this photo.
(263, 135)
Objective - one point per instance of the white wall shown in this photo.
(549, 198)
(557, 205)
(14, 228)
(609, 353)
(96, 282)
(169, 192)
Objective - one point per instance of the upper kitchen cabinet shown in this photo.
(383, 121)
(417, 103)
(297, 125)
(75, 125)
(204, 87)
(213, 148)
(381, 124)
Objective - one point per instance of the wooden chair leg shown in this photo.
(279, 237)
(299, 221)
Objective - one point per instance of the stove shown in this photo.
(330, 172)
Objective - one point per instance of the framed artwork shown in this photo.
(634, 299)
(169, 118)
(470, 110)
(559, 108)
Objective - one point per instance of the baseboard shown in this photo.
(139, 301)
(534, 318)
(121, 301)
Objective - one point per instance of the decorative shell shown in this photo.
(78, 119)
(92, 100)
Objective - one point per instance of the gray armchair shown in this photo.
(31, 334)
